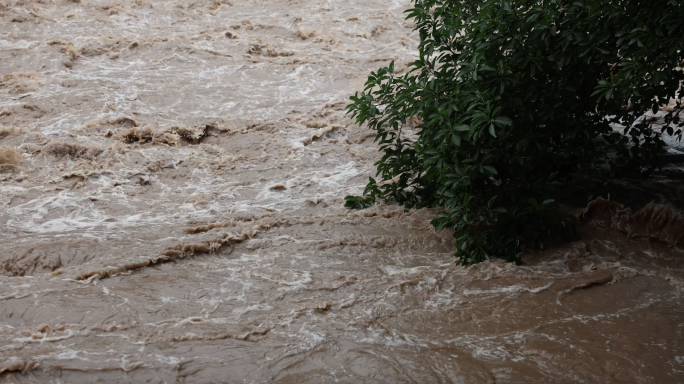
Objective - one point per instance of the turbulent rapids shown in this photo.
(172, 176)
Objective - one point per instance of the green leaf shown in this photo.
(503, 120)
(490, 169)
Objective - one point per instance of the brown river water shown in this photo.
(172, 176)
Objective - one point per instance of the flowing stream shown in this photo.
(172, 176)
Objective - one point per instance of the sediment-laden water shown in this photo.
(172, 176)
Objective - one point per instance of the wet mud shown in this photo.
(172, 176)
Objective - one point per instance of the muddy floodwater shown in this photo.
(172, 176)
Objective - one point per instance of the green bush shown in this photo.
(515, 99)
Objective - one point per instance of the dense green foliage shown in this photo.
(515, 98)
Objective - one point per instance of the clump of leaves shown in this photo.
(358, 202)
(515, 98)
